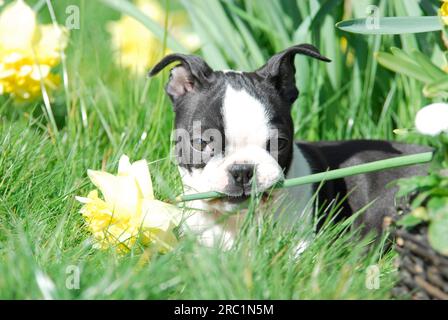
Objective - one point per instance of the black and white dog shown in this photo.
(234, 132)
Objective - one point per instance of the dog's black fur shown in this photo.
(362, 189)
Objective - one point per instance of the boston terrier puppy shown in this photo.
(234, 134)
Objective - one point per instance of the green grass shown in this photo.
(42, 233)
(103, 114)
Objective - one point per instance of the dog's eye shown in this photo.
(282, 143)
(199, 144)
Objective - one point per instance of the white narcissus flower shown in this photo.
(432, 119)
(129, 209)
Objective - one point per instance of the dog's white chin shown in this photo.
(226, 205)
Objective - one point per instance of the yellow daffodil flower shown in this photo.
(136, 48)
(444, 12)
(129, 211)
(28, 51)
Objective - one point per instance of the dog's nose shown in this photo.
(242, 173)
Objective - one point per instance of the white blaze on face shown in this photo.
(245, 121)
(247, 130)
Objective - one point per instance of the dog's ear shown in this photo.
(280, 69)
(189, 75)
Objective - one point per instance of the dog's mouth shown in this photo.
(237, 202)
(241, 195)
(237, 195)
(243, 198)
(236, 199)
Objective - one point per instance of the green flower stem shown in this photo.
(395, 162)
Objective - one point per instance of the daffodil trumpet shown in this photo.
(408, 160)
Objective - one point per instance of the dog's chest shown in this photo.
(295, 204)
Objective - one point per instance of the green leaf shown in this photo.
(438, 234)
(403, 66)
(408, 185)
(252, 20)
(211, 52)
(218, 33)
(126, 7)
(437, 88)
(254, 50)
(326, 8)
(421, 198)
(392, 25)
(409, 221)
(440, 191)
(431, 69)
(438, 208)
(399, 53)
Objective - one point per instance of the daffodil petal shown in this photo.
(17, 26)
(159, 215)
(83, 199)
(6, 73)
(39, 72)
(140, 172)
(120, 192)
(124, 165)
(52, 40)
